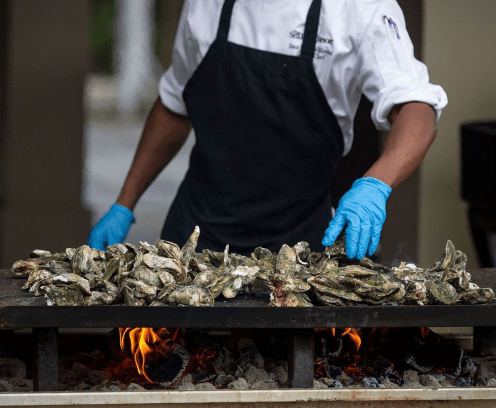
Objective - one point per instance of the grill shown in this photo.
(19, 309)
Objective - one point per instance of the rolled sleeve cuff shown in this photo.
(171, 95)
(431, 94)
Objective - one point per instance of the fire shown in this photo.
(144, 341)
(352, 333)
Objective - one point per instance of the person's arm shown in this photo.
(163, 135)
(411, 135)
(363, 208)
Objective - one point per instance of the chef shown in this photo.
(271, 88)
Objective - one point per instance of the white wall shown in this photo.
(460, 52)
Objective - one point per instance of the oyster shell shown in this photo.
(159, 263)
(38, 275)
(190, 296)
(444, 293)
(286, 261)
(188, 249)
(147, 276)
(338, 248)
(475, 296)
(67, 295)
(447, 260)
(169, 249)
(74, 280)
(415, 293)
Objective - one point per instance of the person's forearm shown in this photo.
(163, 135)
(412, 133)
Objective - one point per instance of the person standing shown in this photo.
(271, 88)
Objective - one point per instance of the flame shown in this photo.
(143, 342)
(352, 333)
(355, 338)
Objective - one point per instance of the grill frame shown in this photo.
(19, 309)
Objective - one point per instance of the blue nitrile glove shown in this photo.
(112, 228)
(363, 208)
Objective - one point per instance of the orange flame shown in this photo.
(355, 338)
(143, 342)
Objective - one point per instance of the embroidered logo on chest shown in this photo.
(323, 48)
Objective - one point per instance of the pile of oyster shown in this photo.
(166, 275)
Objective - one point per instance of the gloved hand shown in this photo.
(363, 208)
(112, 228)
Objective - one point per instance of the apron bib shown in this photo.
(267, 148)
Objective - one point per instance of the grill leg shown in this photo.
(301, 359)
(45, 361)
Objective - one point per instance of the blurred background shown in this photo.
(77, 79)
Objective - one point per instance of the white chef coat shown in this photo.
(362, 47)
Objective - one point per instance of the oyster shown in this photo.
(190, 296)
(447, 260)
(87, 260)
(67, 295)
(328, 286)
(147, 276)
(38, 275)
(327, 300)
(286, 261)
(25, 267)
(169, 249)
(159, 263)
(302, 250)
(444, 293)
(74, 280)
(475, 296)
(415, 293)
(188, 249)
(338, 248)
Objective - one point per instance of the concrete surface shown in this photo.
(338, 398)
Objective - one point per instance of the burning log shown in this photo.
(158, 357)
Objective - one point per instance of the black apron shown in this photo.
(267, 148)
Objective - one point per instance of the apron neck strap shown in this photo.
(311, 26)
(225, 20)
(311, 29)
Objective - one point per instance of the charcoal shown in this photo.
(205, 387)
(491, 382)
(468, 367)
(331, 383)
(463, 382)
(223, 359)
(253, 375)
(223, 380)
(281, 375)
(134, 387)
(203, 377)
(258, 361)
(264, 385)
(481, 381)
(438, 376)
(371, 382)
(396, 379)
(238, 372)
(429, 381)
(333, 371)
(247, 349)
(319, 385)
(239, 384)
